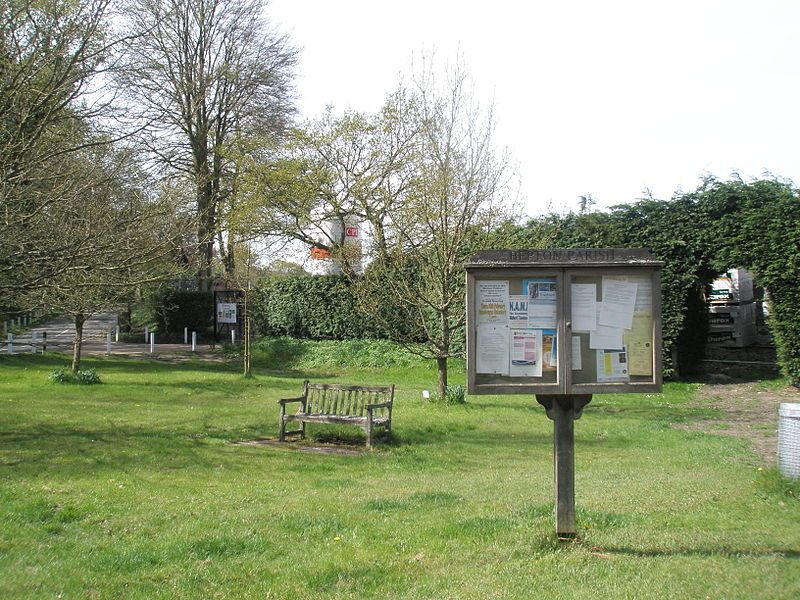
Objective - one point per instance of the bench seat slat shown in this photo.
(343, 419)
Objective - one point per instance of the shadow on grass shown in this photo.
(43, 447)
(722, 551)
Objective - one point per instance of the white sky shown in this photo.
(606, 98)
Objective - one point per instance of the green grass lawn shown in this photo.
(134, 489)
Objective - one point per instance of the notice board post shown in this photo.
(564, 324)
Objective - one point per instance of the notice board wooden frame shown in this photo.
(563, 265)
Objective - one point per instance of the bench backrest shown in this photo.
(337, 399)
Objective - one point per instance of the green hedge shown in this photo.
(668, 229)
(322, 307)
(754, 225)
(757, 225)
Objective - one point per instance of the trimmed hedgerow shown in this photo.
(322, 307)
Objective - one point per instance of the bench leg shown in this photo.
(368, 430)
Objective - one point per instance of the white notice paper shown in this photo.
(604, 337)
(576, 353)
(644, 294)
(518, 312)
(492, 300)
(492, 350)
(619, 299)
(612, 365)
(542, 307)
(526, 353)
(584, 301)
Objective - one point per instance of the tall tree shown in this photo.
(201, 74)
(458, 195)
(50, 53)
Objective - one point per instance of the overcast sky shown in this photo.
(607, 98)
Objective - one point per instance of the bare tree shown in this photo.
(122, 238)
(458, 195)
(50, 53)
(200, 75)
(353, 167)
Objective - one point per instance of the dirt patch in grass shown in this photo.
(749, 411)
(321, 449)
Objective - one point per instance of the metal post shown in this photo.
(116, 333)
(11, 343)
(194, 340)
(152, 342)
(33, 342)
(146, 333)
(233, 336)
(108, 342)
(185, 335)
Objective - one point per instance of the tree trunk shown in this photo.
(247, 349)
(80, 318)
(124, 318)
(230, 257)
(206, 214)
(441, 365)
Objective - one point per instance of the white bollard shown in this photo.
(185, 335)
(33, 342)
(233, 336)
(152, 342)
(116, 334)
(146, 333)
(108, 342)
(194, 340)
(11, 343)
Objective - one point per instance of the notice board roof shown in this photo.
(564, 257)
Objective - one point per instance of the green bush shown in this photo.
(453, 394)
(82, 377)
(290, 353)
(753, 225)
(322, 307)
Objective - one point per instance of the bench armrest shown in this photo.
(285, 401)
(379, 405)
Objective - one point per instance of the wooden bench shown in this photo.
(365, 406)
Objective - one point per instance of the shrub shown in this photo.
(323, 307)
(82, 377)
(290, 353)
(453, 394)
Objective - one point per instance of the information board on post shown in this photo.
(572, 321)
